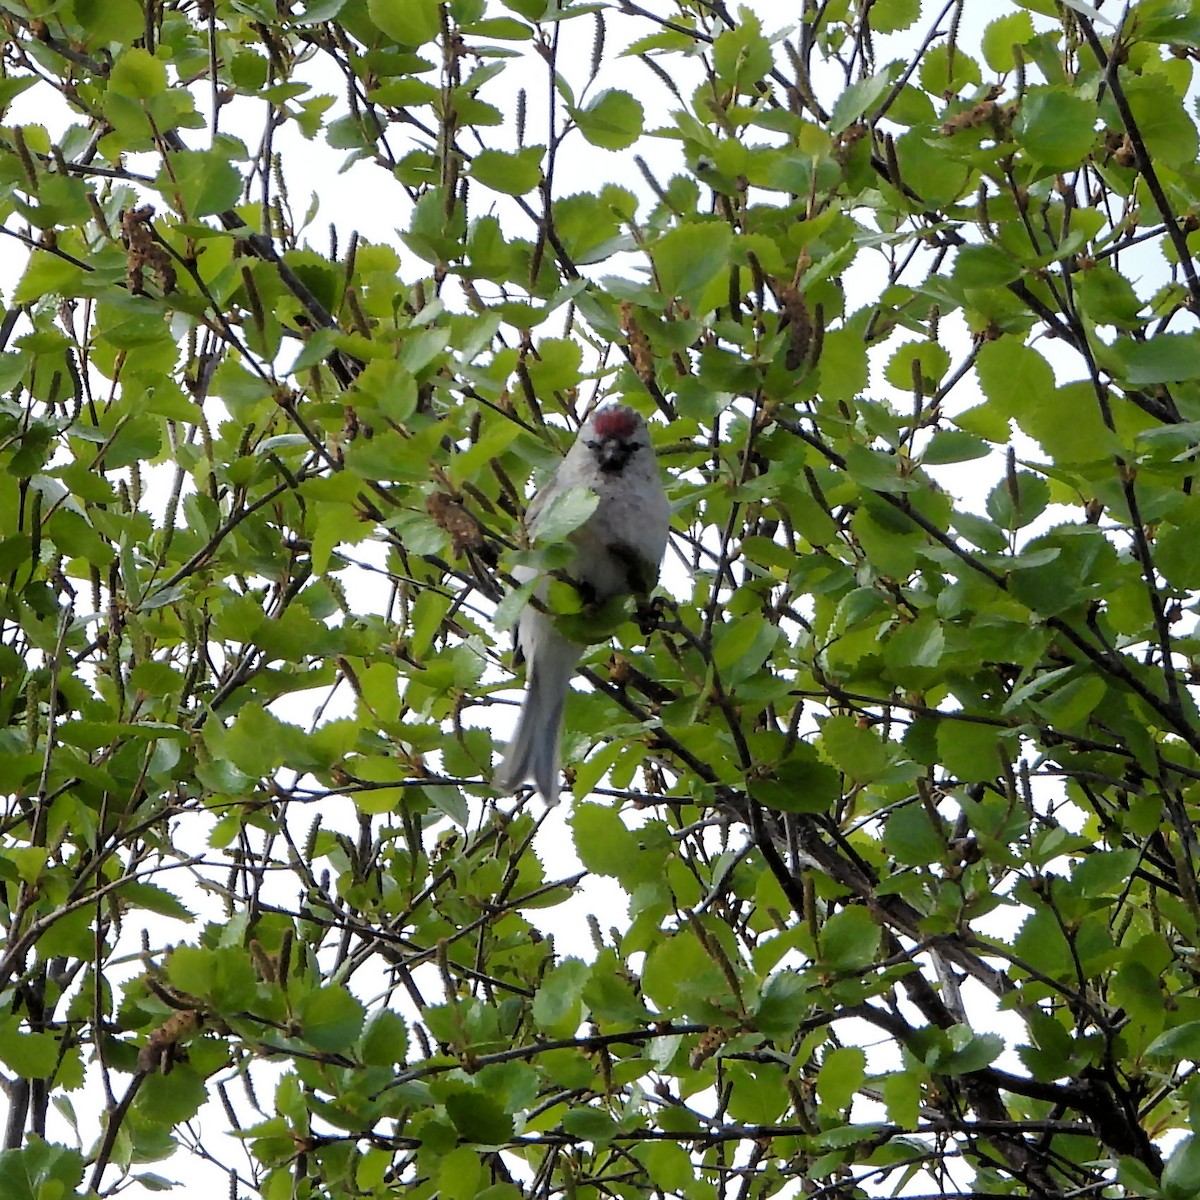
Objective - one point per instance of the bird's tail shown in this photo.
(533, 751)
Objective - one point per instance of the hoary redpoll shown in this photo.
(618, 550)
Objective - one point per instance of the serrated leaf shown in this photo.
(155, 899)
(602, 841)
(406, 22)
(199, 183)
(849, 940)
(478, 1118)
(1181, 1175)
(29, 1055)
(912, 838)
(384, 1040)
(1167, 358)
(1001, 35)
(557, 1006)
(563, 513)
(138, 74)
(953, 446)
(514, 174)
(613, 120)
(856, 750)
(330, 1018)
(690, 257)
(860, 98)
(590, 1124)
(1056, 127)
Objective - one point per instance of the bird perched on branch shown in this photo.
(617, 551)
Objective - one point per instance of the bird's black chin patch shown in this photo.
(613, 458)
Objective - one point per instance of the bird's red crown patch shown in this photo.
(618, 422)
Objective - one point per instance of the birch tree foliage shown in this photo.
(896, 778)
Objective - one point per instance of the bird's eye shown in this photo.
(593, 445)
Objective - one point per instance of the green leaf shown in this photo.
(902, 1099)
(316, 12)
(199, 183)
(937, 177)
(1071, 428)
(252, 743)
(1166, 358)
(856, 750)
(800, 783)
(508, 611)
(156, 678)
(952, 446)
(1001, 36)
(1104, 871)
(690, 257)
(843, 365)
(915, 645)
(842, 1072)
(406, 22)
(1108, 298)
(946, 74)
(330, 1018)
(39, 1169)
(1056, 127)
(741, 646)
(502, 28)
(1164, 126)
(741, 55)
(1083, 565)
(384, 1040)
(861, 97)
(514, 174)
(912, 838)
(849, 940)
(557, 365)
(608, 993)
(565, 512)
(138, 74)
(891, 16)
(478, 1118)
(590, 1124)
(226, 975)
(1181, 1175)
(668, 1166)
(557, 1006)
(138, 439)
(1182, 1042)
(1068, 707)
(603, 843)
(926, 359)
(155, 899)
(613, 120)
(1175, 554)
(30, 1055)
(13, 85)
(532, 10)
(1018, 500)
(679, 973)
(171, 1099)
(970, 1052)
(48, 274)
(969, 752)
(985, 266)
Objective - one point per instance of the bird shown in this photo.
(618, 551)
